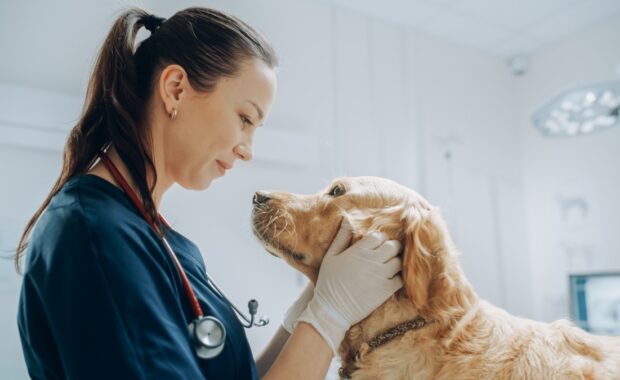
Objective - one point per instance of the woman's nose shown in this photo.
(243, 152)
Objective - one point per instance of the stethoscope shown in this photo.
(208, 333)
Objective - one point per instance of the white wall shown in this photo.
(584, 167)
(471, 153)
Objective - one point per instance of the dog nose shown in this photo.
(260, 197)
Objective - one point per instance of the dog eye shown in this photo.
(336, 191)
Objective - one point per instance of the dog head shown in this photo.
(300, 228)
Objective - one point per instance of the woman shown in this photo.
(103, 294)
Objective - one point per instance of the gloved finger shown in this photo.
(387, 250)
(371, 241)
(341, 240)
(394, 284)
(391, 267)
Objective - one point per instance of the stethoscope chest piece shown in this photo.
(208, 334)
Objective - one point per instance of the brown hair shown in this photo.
(207, 43)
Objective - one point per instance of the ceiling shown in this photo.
(48, 44)
(504, 28)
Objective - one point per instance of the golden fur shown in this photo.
(468, 338)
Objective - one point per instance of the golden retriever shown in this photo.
(452, 334)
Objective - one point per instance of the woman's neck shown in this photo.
(100, 170)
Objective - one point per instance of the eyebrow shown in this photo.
(260, 112)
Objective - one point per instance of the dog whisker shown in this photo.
(283, 229)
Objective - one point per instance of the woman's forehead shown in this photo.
(253, 83)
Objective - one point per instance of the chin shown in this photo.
(204, 184)
(196, 183)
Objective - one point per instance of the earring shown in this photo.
(173, 114)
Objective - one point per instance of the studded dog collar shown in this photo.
(386, 336)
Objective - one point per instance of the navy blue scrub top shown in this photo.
(101, 297)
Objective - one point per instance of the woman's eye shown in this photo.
(336, 191)
(245, 121)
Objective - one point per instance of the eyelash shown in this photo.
(245, 120)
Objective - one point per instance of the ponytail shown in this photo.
(111, 116)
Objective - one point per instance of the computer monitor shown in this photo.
(595, 302)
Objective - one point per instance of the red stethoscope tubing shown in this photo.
(134, 198)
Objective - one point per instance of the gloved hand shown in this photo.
(352, 283)
(294, 311)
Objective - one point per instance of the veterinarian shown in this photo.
(110, 290)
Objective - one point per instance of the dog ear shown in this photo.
(425, 252)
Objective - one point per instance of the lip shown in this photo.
(222, 166)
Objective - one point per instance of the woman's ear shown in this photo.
(425, 249)
(172, 83)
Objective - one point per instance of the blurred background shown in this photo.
(502, 113)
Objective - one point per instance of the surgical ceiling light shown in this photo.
(580, 111)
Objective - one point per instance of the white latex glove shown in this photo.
(352, 283)
(295, 310)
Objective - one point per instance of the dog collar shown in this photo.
(386, 336)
